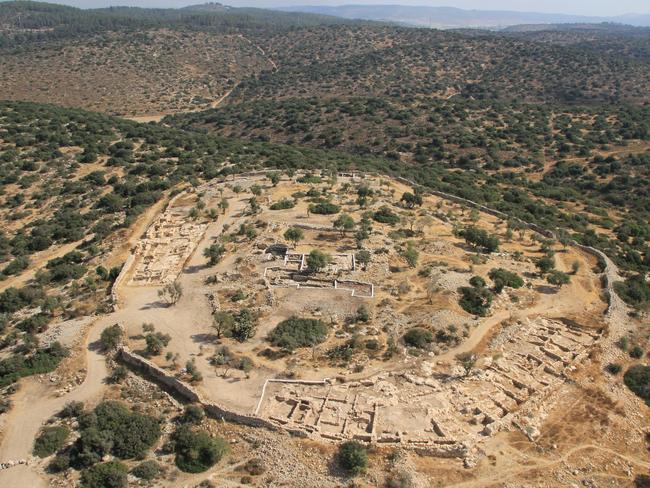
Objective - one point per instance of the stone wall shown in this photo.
(159, 375)
(115, 298)
(188, 393)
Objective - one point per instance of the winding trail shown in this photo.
(216, 103)
(144, 119)
(262, 52)
(35, 403)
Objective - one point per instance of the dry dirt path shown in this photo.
(262, 52)
(35, 403)
(144, 119)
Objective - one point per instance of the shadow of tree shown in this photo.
(156, 304)
(546, 289)
(205, 338)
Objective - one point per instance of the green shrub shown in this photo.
(133, 433)
(295, 332)
(476, 301)
(156, 342)
(545, 264)
(50, 440)
(112, 428)
(35, 324)
(111, 337)
(112, 474)
(214, 253)
(309, 178)
(635, 291)
(613, 368)
(317, 260)
(503, 278)
(637, 379)
(193, 415)
(42, 361)
(72, 410)
(238, 296)
(373, 345)
(418, 337)
(480, 238)
(244, 325)
(119, 374)
(353, 457)
(283, 204)
(386, 216)
(59, 463)
(147, 470)
(197, 452)
(477, 282)
(363, 314)
(636, 352)
(294, 235)
(558, 278)
(16, 266)
(324, 208)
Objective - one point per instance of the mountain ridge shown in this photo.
(452, 17)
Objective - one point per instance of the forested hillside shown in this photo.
(70, 175)
(552, 127)
(134, 73)
(389, 61)
(131, 61)
(26, 21)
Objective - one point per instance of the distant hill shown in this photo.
(208, 7)
(455, 18)
(603, 28)
(24, 21)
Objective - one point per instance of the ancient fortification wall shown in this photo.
(187, 393)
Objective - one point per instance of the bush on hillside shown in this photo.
(147, 470)
(353, 457)
(475, 300)
(418, 337)
(386, 216)
(503, 278)
(112, 474)
(296, 332)
(637, 379)
(50, 440)
(197, 452)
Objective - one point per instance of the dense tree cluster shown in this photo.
(298, 332)
(110, 429)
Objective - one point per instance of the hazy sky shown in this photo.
(584, 7)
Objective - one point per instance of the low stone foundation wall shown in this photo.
(189, 394)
